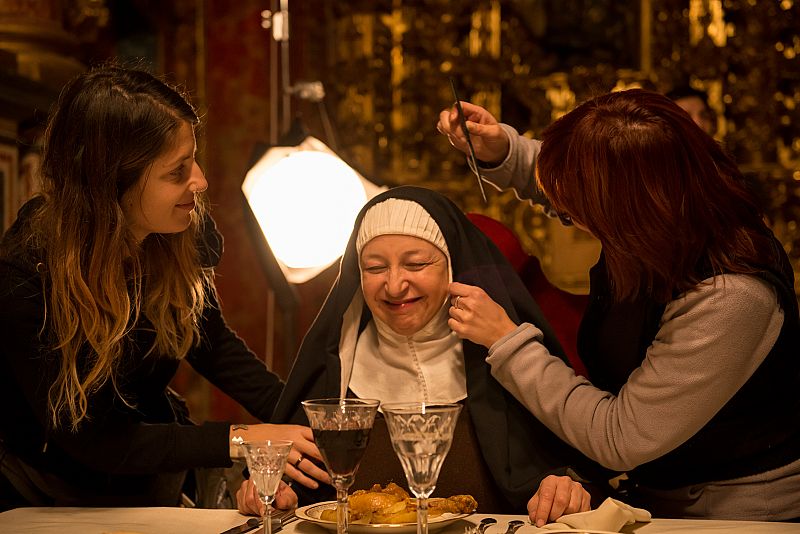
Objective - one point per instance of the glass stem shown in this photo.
(341, 510)
(422, 515)
(267, 519)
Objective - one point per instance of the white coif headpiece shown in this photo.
(403, 217)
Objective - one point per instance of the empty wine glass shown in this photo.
(421, 436)
(266, 461)
(341, 431)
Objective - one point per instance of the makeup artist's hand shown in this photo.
(488, 138)
(476, 317)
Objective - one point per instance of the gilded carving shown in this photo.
(44, 35)
(530, 61)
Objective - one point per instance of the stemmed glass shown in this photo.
(266, 461)
(421, 436)
(341, 431)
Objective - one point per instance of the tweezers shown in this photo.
(472, 161)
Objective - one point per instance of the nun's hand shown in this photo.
(476, 317)
(555, 497)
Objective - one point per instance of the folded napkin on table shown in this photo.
(610, 516)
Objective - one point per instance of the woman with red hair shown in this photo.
(691, 335)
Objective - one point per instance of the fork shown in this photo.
(481, 527)
(514, 525)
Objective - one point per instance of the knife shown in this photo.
(252, 524)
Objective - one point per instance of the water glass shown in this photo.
(266, 461)
(421, 435)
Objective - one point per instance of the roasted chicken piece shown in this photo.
(376, 498)
(456, 504)
(401, 512)
(393, 505)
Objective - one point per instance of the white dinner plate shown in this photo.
(312, 512)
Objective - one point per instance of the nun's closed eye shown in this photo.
(374, 269)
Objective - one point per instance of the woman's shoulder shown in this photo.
(728, 295)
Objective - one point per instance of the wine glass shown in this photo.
(421, 436)
(341, 431)
(266, 461)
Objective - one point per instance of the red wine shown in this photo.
(342, 450)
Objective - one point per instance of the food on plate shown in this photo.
(376, 498)
(393, 505)
(456, 504)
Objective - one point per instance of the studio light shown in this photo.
(300, 198)
(305, 199)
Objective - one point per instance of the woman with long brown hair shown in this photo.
(106, 284)
(692, 333)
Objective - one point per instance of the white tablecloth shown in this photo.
(195, 521)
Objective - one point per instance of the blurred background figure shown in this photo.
(695, 103)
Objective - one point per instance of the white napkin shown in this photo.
(610, 516)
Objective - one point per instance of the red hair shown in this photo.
(661, 195)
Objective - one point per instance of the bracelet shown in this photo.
(236, 441)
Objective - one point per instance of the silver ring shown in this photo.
(455, 302)
(299, 459)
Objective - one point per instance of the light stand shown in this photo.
(301, 199)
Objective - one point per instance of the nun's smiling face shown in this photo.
(404, 280)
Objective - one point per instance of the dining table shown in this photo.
(217, 521)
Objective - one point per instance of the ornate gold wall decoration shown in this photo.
(44, 35)
(530, 61)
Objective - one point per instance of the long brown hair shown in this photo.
(107, 128)
(662, 197)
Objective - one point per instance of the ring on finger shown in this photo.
(299, 459)
(456, 302)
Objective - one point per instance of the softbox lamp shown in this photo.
(305, 200)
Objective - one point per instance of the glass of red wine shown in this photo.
(341, 430)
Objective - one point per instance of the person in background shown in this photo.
(106, 284)
(383, 333)
(692, 332)
(695, 103)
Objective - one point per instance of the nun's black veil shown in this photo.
(518, 449)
